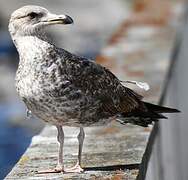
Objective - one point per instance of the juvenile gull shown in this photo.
(68, 90)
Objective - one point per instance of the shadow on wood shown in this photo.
(113, 167)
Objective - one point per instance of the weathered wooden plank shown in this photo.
(106, 150)
(115, 151)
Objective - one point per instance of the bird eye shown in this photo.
(32, 15)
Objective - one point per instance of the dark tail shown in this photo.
(151, 113)
(159, 109)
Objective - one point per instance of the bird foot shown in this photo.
(76, 169)
(58, 169)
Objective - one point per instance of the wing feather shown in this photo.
(98, 82)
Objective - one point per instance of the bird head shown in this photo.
(29, 20)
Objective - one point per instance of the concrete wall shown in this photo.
(169, 159)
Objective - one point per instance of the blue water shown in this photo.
(14, 140)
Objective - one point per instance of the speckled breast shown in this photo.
(57, 102)
(43, 83)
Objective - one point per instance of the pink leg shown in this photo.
(60, 167)
(77, 168)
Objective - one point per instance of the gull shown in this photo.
(64, 89)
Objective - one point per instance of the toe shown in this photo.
(49, 171)
(59, 168)
(76, 169)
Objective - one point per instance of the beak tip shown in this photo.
(68, 20)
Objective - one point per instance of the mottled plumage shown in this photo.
(67, 90)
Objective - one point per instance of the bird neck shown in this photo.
(31, 46)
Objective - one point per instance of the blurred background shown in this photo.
(94, 22)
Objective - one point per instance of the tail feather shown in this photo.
(151, 114)
(159, 109)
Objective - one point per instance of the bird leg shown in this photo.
(77, 168)
(60, 138)
(60, 167)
